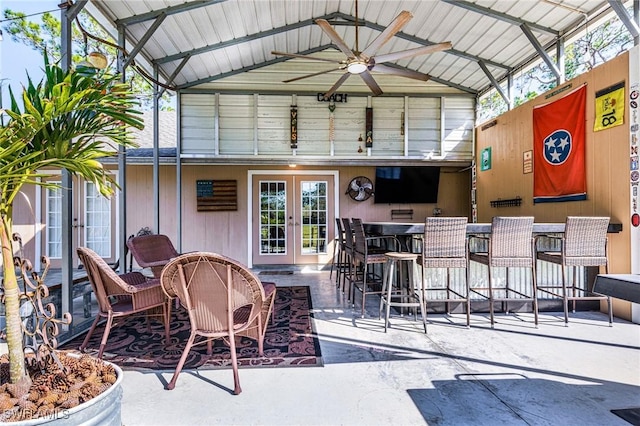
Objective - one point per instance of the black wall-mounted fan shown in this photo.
(360, 188)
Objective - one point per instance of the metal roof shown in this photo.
(213, 43)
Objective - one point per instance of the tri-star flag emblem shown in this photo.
(557, 147)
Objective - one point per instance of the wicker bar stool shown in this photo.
(583, 244)
(398, 291)
(510, 245)
(445, 247)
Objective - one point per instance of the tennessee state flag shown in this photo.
(559, 149)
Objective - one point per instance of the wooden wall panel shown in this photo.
(607, 157)
(227, 233)
(274, 134)
(236, 120)
(313, 126)
(198, 122)
(243, 125)
(388, 139)
(423, 115)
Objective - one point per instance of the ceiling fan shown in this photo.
(362, 62)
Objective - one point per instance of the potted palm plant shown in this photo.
(68, 121)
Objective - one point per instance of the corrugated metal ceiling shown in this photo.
(214, 40)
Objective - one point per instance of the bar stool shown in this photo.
(339, 260)
(406, 293)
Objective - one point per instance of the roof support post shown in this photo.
(543, 53)
(66, 21)
(179, 173)
(510, 91)
(156, 152)
(122, 169)
(560, 61)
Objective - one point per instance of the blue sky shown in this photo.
(16, 58)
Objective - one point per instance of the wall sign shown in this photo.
(216, 195)
(609, 107)
(368, 140)
(294, 127)
(336, 97)
(527, 162)
(485, 159)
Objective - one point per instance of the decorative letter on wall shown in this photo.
(294, 127)
(368, 142)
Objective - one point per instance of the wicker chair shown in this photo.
(365, 256)
(583, 244)
(121, 295)
(223, 299)
(152, 251)
(510, 245)
(445, 246)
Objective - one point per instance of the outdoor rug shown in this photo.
(289, 341)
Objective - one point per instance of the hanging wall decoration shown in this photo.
(368, 142)
(294, 127)
(332, 128)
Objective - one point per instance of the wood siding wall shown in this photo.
(607, 166)
(227, 233)
(235, 125)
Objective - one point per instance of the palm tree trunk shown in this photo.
(12, 307)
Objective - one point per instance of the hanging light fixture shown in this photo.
(97, 60)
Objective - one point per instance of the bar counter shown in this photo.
(407, 228)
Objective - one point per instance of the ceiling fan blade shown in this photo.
(395, 26)
(368, 78)
(402, 72)
(312, 75)
(335, 38)
(294, 55)
(413, 52)
(341, 80)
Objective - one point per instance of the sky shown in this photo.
(17, 58)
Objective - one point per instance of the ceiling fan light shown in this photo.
(357, 67)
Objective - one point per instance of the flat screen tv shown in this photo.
(406, 185)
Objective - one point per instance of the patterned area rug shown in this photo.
(289, 341)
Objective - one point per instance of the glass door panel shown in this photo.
(292, 219)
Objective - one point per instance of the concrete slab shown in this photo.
(512, 374)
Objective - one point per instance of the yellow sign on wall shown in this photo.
(609, 107)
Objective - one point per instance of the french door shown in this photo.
(293, 218)
(93, 222)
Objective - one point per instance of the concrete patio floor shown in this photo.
(513, 374)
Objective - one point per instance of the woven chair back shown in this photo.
(445, 242)
(511, 241)
(586, 236)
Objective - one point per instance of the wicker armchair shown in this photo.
(510, 245)
(584, 243)
(121, 295)
(152, 251)
(445, 246)
(223, 299)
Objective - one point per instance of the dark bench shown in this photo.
(620, 286)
